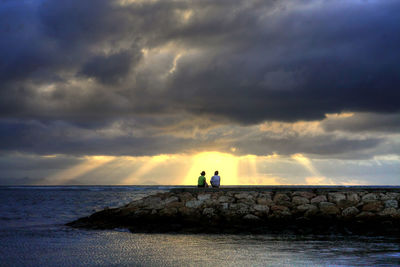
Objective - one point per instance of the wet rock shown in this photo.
(328, 208)
(373, 206)
(318, 199)
(391, 203)
(297, 200)
(366, 215)
(370, 197)
(350, 212)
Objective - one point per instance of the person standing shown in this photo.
(201, 182)
(215, 180)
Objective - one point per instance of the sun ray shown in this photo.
(90, 163)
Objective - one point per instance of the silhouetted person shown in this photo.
(202, 180)
(215, 180)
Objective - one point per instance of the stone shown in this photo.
(389, 212)
(168, 211)
(279, 208)
(174, 205)
(209, 212)
(297, 200)
(224, 206)
(261, 208)
(370, 197)
(373, 206)
(318, 199)
(336, 197)
(281, 198)
(391, 203)
(328, 208)
(193, 204)
(243, 196)
(203, 197)
(251, 217)
(389, 196)
(225, 199)
(353, 198)
(366, 215)
(247, 201)
(185, 196)
(171, 199)
(305, 194)
(350, 212)
(306, 207)
(264, 201)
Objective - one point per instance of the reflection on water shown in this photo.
(32, 234)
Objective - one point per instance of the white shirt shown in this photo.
(215, 180)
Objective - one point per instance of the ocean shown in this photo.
(33, 233)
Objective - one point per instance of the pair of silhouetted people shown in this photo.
(215, 180)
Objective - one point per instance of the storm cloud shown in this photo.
(154, 77)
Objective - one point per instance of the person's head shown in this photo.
(203, 173)
(216, 173)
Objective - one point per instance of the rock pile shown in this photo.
(262, 211)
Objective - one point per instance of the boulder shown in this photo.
(389, 212)
(261, 208)
(297, 200)
(174, 205)
(243, 196)
(203, 197)
(306, 207)
(171, 199)
(373, 206)
(185, 196)
(391, 203)
(370, 197)
(209, 212)
(353, 198)
(389, 196)
(168, 212)
(328, 208)
(193, 204)
(279, 208)
(281, 198)
(264, 201)
(251, 217)
(305, 194)
(336, 197)
(225, 199)
(318, 199)
(350, 212)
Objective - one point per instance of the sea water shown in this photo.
(33, 233)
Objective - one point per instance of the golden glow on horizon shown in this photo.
(226, 164)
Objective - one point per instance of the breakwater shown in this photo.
(280, 209)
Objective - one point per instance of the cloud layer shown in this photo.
(167, 77)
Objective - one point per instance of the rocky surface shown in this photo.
(296, 210)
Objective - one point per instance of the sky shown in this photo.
(155, 91)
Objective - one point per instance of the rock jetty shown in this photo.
(299, 210)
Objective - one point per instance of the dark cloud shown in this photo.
(70, 69)
(364, 122)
